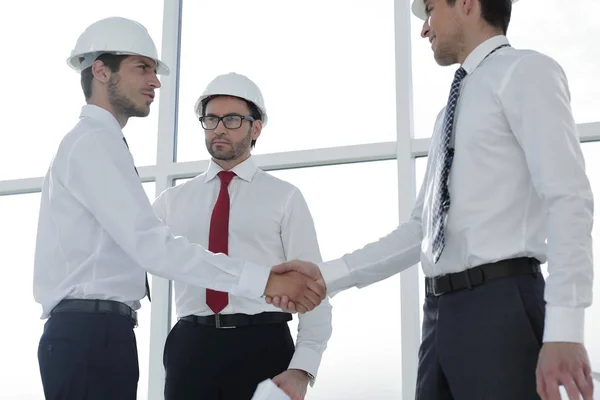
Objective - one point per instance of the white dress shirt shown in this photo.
(269, 223)
(517, 179)
(97, 232)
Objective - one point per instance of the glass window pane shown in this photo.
(19, 373)
(573, 47)
(316, 77)
(351, 207)
(420, 166)
(174, 307)
(592, 322)
(142, 332)
(44, 95)
(20, 376)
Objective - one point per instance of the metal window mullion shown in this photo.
(160, 320)
(409, 279)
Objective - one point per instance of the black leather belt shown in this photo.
(476, 276)
(95, 306)
(222, 321)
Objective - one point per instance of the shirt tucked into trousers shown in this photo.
(249, 214)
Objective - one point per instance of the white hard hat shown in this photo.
(418, 8)
(237, 85)
(114, 35)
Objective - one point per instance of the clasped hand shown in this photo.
(295, 286)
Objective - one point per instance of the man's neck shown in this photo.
(121, 119)
(474, 39)
(228, 165)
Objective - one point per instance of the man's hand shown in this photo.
(300, 289)
(567, 364)
(293, 382)
(304, 267)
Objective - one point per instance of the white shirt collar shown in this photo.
(480, 52)
(101, 115)
(245, 170)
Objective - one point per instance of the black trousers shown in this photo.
(88, 356)
(483, 344)
(206, 363)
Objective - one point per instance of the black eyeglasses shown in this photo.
(232, 121)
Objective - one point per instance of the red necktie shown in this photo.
(218, 238)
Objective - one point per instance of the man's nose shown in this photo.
(154, 81)
(425, 29)
(220, 128)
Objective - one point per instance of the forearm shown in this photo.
(570, 265)
(376, 261)
(314, 332)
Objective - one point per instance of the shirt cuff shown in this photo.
(253, 281)
(564, 324)
(336, 275)
(307, 360)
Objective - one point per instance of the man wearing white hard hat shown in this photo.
(224, 345)
(98, 235)
(505, 190)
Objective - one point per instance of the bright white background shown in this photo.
(328, 75)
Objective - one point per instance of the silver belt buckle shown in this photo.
(218, 323)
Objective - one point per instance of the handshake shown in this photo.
(295, 286)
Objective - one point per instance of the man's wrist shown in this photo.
(302, 373)
(337, 276)
(564, 324)
(253, 281)
(272, 282)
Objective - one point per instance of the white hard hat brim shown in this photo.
(418, 9)
(77, 64)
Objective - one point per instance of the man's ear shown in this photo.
(468, 6)
(100, 71)
(256, 129)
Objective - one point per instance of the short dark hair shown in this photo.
(112, 61)
(494, 12)
(254, 111)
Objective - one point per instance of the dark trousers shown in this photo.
(207, 363)
(88, 356)
(483, 343)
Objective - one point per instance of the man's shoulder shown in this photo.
(275, 184)
(529, 59)
(83, 131)
(182, 188)
(516, 52)
(81, 142)
(527, 67)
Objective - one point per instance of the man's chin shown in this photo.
(221, 156)
(224, 158)
(141, 112)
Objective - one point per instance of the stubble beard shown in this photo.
(236, 150)
(120, 103)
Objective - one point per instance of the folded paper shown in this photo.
(268, 390)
